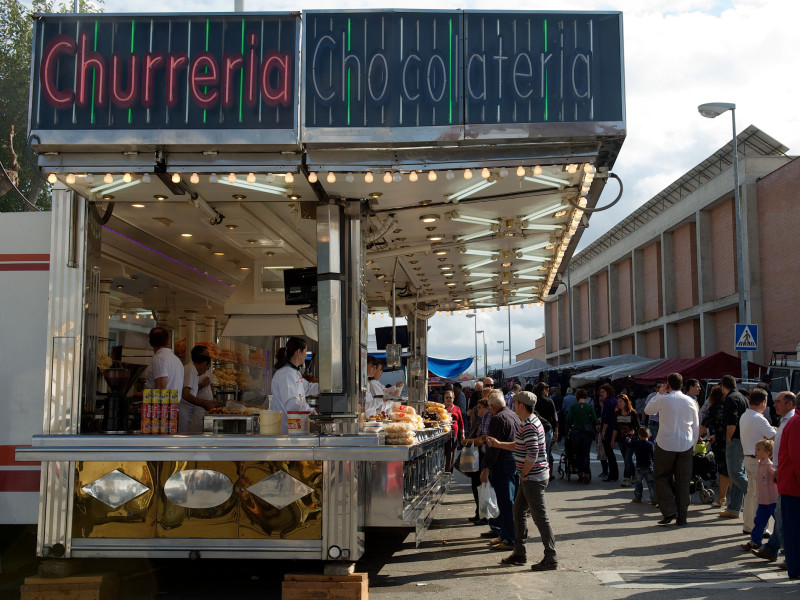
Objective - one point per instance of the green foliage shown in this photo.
(16, 33)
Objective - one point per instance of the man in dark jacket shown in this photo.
(734, 406)
(500, 470)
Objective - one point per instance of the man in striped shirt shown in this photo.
(530, 455)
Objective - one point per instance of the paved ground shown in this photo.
(605, 544)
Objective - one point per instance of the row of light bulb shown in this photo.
(176, 178)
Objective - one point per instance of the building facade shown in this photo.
(663, 282)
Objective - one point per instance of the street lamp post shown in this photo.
(485, 363)
(712, 110)
(502, 353)
(474, 316)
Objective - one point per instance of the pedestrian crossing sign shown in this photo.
(746, 337)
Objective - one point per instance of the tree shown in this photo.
(16, 36)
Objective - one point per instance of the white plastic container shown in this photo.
(269, 422)
(298, 422)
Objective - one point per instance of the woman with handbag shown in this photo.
(581, 420)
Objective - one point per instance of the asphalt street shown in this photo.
(608, 547)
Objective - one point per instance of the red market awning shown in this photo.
(712, 366)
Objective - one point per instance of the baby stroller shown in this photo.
(704, 468)
(567, 461)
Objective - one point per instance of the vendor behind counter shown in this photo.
(289, 387)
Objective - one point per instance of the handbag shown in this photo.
(470, 459)
(487, 502)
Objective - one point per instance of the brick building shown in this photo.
(663, 282)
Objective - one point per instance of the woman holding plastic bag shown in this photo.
(530, 456)
(475, 439)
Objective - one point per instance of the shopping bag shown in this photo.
(470, 460)
(487, 502)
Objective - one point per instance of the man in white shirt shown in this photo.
(784, 406)
(166, 369)
(678, 433)
(753, 427)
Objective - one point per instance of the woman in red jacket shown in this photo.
(458, 427)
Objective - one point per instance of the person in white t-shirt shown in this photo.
(166, 370)
(753, 426)
(677, 435)
(195, 400)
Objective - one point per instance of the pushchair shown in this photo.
(704, 468)
(568, 461)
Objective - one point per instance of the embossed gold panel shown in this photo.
(188, 493)
(294, 486)
(110, 501)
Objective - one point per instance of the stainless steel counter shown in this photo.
(361, 447)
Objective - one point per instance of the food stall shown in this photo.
(202, 164)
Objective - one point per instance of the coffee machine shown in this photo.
(115, 413)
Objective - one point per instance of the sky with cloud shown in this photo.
(678, 54)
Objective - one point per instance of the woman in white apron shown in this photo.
(289, 388)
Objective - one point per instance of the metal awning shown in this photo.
(254, 328)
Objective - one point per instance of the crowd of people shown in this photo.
(754, 441)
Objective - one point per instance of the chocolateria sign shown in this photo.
(429, 75)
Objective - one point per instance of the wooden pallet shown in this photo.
(82, 587)
(325, 587)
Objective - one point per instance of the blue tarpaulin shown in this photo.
(448, 369)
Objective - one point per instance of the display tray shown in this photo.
(230, 424)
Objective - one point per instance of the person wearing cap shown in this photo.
(530, 456)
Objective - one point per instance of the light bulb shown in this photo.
(397, 177)
(387, 177)
(289, 178)
(145, 178)
(503, 172)
(194, 178)
(485, 173)
(231, 177)
(109, 178)
(368, 178)
(312, 177)
(467, 173)
(52, 178)
(589, 168)
(176, 178)
(70, 178)
(331, 178)
(270, 177)
(89, 178)
(412, 177)
(349, 178)
(431, 175)
(212, 178)
(251, 178)
(126, 178)
(537, 170)
(520, 171)
(450, 176)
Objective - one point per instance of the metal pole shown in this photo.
(485, 362)
(508, 308)
(739, 239)
(569, 300)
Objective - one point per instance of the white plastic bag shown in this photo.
(470, 460)
(487, 502)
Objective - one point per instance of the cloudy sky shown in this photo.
(678, 54)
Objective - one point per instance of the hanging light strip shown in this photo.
(479, 274)
(105, 186)
(547, 180)
(469, 191)
(121, 186)
(478, 264)
(543, 212)
(472, 236)
(533, 248)
(258, 187)
(479, 282)
(458, 217)
(532, 258)
(475, 252)
(541, 227)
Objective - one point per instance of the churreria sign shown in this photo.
(396, 76)
(165, 72)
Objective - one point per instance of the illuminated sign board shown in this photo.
(129, 72)
(444, 72)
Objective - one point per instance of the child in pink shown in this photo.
(767, 493)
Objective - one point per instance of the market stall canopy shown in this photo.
(608, 361)
(711, 366)
(526, 368)
(448, 369)
(253, 329)
(614, 372)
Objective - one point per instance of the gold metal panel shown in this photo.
(93, 518)
(299, 520)
(216, 522)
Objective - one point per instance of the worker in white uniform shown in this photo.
(289, 388)
(372, 404)
(196, 398)
(166, 370)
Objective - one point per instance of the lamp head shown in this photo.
(711, 110)
(471, 315)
